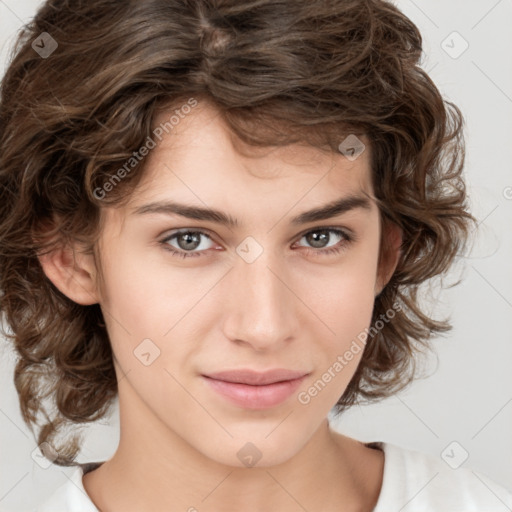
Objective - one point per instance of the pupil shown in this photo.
(191, 240)
(318, 238)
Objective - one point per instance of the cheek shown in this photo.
(347, 310)
(149, 299)
(337, 354)
(344, 301)
(151, 310)
(343, 296)
(145, 294)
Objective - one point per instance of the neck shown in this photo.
(156, 469)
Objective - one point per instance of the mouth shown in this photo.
(249, 389)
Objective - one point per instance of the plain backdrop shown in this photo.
(463, 405)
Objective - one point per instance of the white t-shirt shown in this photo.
(412, 482)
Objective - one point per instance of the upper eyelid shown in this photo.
(187, 230)
(321, 228)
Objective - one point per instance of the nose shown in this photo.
(261, 309)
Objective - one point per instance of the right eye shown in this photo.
(188, 241)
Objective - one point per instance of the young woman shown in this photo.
(220, 213)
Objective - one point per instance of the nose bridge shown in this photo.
(261, 309)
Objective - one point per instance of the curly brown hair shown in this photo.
(279, 72)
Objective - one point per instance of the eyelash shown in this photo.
(347, 239)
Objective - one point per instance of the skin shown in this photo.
(292, 307)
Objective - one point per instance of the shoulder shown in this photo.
(71, 496)
(415, 481)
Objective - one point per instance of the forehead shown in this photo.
(198, 148)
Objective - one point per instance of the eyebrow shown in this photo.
(327, 211)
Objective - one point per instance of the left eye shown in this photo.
(189, 242)
(318, 237)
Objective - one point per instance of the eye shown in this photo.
(187, 241)
(189, 244)
(320, 238)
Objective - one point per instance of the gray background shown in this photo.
(467, 397)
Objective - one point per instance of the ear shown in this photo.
(391, 244)
(72, 272)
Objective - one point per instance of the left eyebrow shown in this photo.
(324, 212)
(333, 209)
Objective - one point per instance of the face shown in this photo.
(237, 329)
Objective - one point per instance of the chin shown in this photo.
(255, 450)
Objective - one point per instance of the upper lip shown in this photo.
(255, 378)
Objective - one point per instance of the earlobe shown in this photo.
(389, 255)
(73, 273)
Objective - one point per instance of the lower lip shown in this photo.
(255, 397)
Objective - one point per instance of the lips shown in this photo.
(250, 389)
(255, 378)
